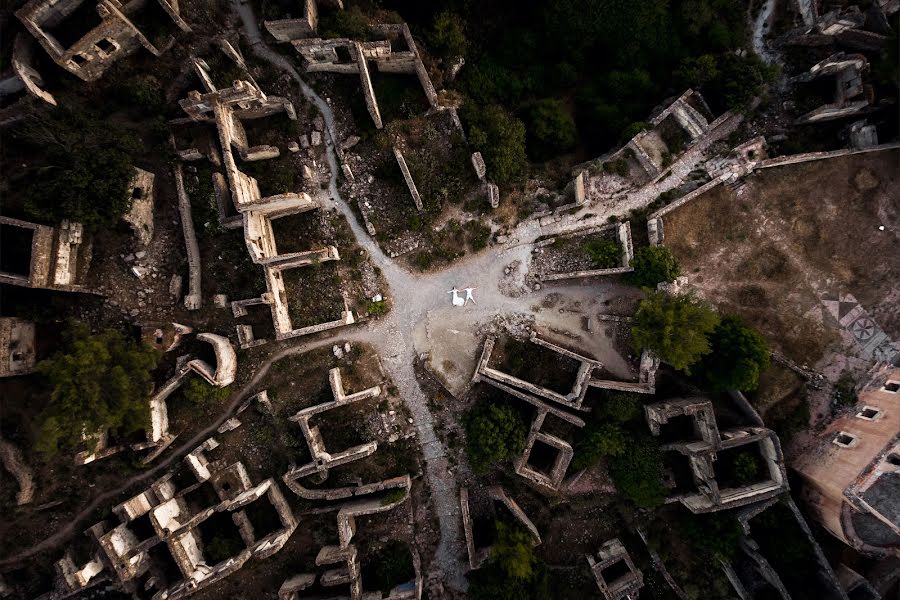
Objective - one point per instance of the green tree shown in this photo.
(89, 168)
(746, 468)
(99, 383)
(513, 551)
(514, 572)
(448, 37)
(713, 536)
(604, 254)
(698, 71)
(550, 130)
(675, 327)
(652, 265)
(637, 472)
(741, 79)
(198, 391)
(620, 407)
(350, 23)
(501, 139)
(738, 356)
(494, 433)
(596, 443)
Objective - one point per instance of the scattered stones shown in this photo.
(337, 351)
(293, 147)
(315, 138)
(304, 141)
(350, 142)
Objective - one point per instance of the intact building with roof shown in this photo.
(852, 469)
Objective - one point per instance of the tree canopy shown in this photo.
(596, 442)
(738, 356)
(675, 327)
(99, 382)
(551, 129)
(637, 472)
(500, 138)
(494, 433)
(514, 572)
(89, 171)
(652, 265)
(448, 36)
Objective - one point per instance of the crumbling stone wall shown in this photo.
(478, 556)
(702, 450)
(17, 355)
(625, 586)
(59, 259)
(407, 177)
(115, 37)
(572, 399)
(285, 30)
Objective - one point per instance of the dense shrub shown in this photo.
(500, 138)
(199, 392)
(604, 254)
(550, 129)
(596, 443)
(494, 433)
(637, 472)
(738, 355)
(448, 36)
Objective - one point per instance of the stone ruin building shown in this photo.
(488, 501)
(323, 460)
(572, 399)
(620, 231)
(304, 25)
(615, 573)
(549, 403)
(343, 558)
(85, 37)
(158, 436)
(21, 85)
(166, 526)
(850, 95)
(395, 52)
(159, 540)
(851, 27)
(685, 120)
(851, 469)
(226, 108)
(17, 356)
(38, 256)
(757, 573)
(698, 456)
